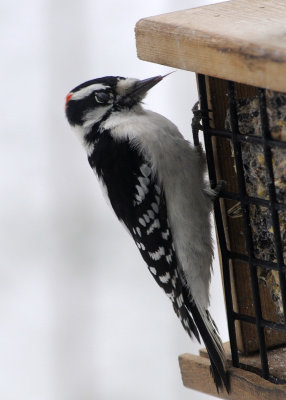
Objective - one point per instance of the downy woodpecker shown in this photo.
(154, 180)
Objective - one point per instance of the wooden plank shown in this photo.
(276, 359)
(196, 375)
(240, 40)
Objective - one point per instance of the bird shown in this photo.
(154, 181)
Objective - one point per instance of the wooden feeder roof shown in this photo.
(239, 40)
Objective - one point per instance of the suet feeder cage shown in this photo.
(238, 51)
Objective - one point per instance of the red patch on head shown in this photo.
(68, 97)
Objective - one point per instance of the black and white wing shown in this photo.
(138, 201)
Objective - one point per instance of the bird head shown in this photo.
(92, 100)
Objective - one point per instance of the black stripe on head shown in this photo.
(110, 81)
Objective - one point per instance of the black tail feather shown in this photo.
(211, 339)
(187, 321)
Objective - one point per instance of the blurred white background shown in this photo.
(81, 319)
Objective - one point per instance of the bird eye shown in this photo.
(103, 97)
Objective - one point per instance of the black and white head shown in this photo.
(91, 101)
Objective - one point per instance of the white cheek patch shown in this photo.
(89, 119)
(94, 115)
(84, 92)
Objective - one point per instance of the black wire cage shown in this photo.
(244, 130)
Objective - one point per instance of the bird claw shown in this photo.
(214, 193)
(196, 121)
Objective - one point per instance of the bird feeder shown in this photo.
(238, 51)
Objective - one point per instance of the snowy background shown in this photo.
(81, 318)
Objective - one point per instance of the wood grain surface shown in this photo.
(246, 385)
(239, 40)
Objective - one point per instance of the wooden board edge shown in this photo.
(195, 371)
(162, 44)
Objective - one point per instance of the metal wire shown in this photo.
(267, 143)
(219, 223)
(272, 194)
(247, 229)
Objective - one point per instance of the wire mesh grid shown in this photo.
(267, 143)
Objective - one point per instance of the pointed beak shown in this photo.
(140, 88)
